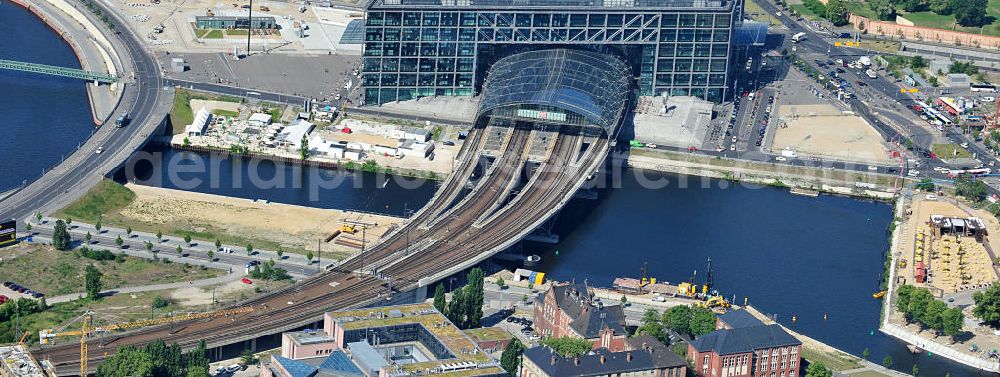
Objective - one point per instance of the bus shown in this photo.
(984, 87)
(122, 120)
(798, 37)
(973, 172)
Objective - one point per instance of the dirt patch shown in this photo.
(230, 292)
(824, 131)
(266, 225)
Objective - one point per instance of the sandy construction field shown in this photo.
(823, 131)
(290, 226)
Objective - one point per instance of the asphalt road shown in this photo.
(85, 168)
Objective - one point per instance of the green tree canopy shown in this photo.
(837, 12)
(651, 325)
(702, 321)
(942, 7)
(93, 282)
(817, 369)
(439, 298)
(127, 362)
(678, 318)
(474, 298)
(510, 359)
(568, 346)
(884, 9)
(987, 307)
(60, 236)
(970, 12)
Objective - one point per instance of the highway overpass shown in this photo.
(545, 125)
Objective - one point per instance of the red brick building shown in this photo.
(753, 351)
(570, 310)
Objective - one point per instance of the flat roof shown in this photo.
(625, 5)
(425, 315)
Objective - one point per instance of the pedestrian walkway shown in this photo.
(233, 276)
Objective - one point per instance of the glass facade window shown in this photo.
(415, 48)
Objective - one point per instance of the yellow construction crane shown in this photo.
(86, 329)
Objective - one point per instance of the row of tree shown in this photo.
(685, 320)
(919, 305)
(267, 271)
(465, 309)
(156, 359)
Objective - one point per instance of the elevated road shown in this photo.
(85, 168)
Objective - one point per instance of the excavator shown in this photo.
(710, 296)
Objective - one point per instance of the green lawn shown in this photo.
(804, 11)
(834, 361)
(931, 19)
(182, 115)
(214, 34)
(754, 11)
(226, 113)
(242, 32)
(108, 196)
(948, 151)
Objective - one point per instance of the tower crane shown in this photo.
(86, 327)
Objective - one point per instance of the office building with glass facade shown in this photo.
(418, 48)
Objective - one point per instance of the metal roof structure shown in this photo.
(591, 85)
(744, 339)
(354, 33)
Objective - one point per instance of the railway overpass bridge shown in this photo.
(545, 125)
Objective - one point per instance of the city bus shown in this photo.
(973, 172)
(798, 37)
(984, 87)
(122, 120)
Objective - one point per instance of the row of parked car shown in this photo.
(764, 120)
(21, 289)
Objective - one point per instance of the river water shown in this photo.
(789, 255)
(44, 117)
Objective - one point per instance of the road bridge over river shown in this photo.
(545, 125)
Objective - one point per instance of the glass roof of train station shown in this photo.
(591, 86)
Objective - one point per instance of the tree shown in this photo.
(500, 283)
(837, 12)
(60, 236)
(149, 246)
(903, 294)
(651, 325)
(128, 231)
(159, 236)
(942, 7)
(93, 282)
(817, 369)
(510, 359)
(932, 315)
(914, 371)
(439, 298)
(624, 301)
(866, 354)
(474, 298)
(702, 321)
(27, 227)
(211, 255)
(925, 184)
(568, 346)
(246, 358)
(119, 241)
(987, 307)
(918, 304)
(129, 361)
(179, 250)
(87, 237)
(97, 226)
(187, 239)
(913, 5)
(678, 318)
(883, 9)
(887, 361)
(970, 12)
(38, 216)
(918, 62)
(456, 307)
(218, 244)
(280, 252)
(250, 250)
(951, 321)
(304, 148)
(69, 222)
(309, 257)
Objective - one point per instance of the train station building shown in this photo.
(421, 48)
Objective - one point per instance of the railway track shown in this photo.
(454, 237)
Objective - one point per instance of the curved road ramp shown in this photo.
(543, 128)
